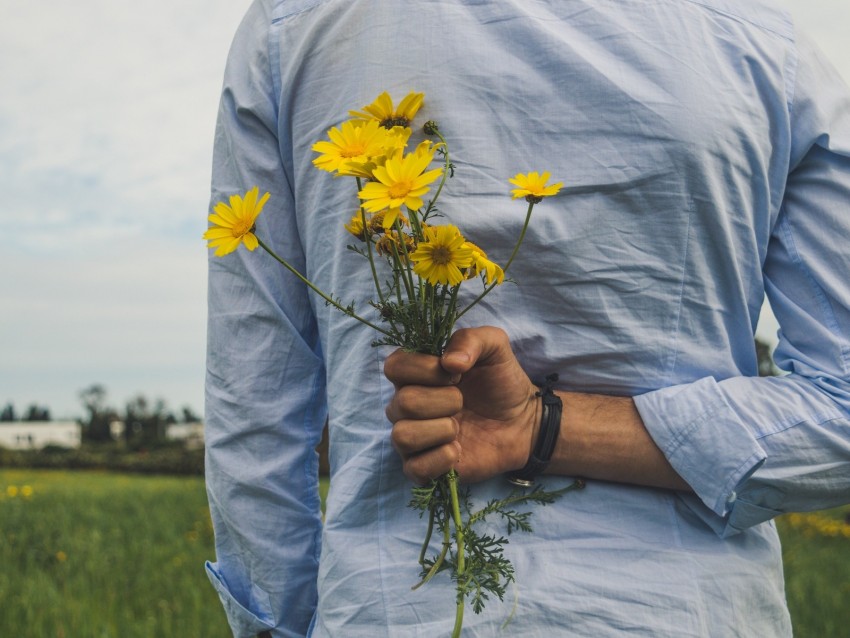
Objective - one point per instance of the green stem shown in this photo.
(441, 339)
(416, 225)
(403, 272)
(443, 177)
(428, 533)
(514, 499)
(320, 292)
(368, 237)
(408, 268)
(451, 477)
(437, 306)
(521, 236)
(437, 563)
(507, 265)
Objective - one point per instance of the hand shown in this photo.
(474, 409)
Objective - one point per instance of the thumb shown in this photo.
(468, 347)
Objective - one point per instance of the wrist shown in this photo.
(529, 430)
(545, 431)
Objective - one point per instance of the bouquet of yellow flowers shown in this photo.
(418, 267)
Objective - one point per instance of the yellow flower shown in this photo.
(385, 220)
(26, 491)
(533, 186)
(397, 138)
(353, 142)
(390, 244)
(389, 216)
(61, 556)
(382, 110)
(401, 181)
(442, 255)
(234, 224)
(427, 147)
(493, 273)
(355, 227)
(395, 143)
(12, 491)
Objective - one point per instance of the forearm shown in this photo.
(603, 438)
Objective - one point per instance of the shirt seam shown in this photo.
(786, 424)
(817, 291)
(311, 469)
(744, 19)
(284, 10)
(674, 357)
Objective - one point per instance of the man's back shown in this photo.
(672, 125)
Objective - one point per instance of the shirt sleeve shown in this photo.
(265, 388)
(753, 448)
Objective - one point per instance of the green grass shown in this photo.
(816, 553)
(99, 555)
(102, 555)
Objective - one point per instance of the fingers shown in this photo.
(475, 346)
(428, 447)
(414, 437)
(412, 368)
(432, 464)
(467, 347)
(424, 402)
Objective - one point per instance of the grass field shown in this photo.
(100, 555)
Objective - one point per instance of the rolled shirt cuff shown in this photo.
(703, 439)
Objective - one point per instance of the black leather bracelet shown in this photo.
(547, 437)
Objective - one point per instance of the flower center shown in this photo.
(242, 227)
(395, 120)
(441, 255)
(351, 151)
(399, 190)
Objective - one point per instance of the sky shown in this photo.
(107, 113)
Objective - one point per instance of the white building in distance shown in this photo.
(34, 435)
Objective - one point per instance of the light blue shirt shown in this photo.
(705, 151)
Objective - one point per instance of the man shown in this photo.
(705, 150)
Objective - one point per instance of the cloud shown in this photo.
(133, 312)
(119, 97)
(106, 128)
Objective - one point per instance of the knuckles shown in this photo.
(427, 466)
(391, 365)
(420, 402)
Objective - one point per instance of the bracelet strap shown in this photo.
(547, 437)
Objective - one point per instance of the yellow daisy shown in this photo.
(355, 227)
(493, 273)
(234, 224)
(533, 186)
(396, 141)
(382, 110)
(442, 256)
(356, 142)
(401, 181)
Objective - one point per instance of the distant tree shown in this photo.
(37, 413)
(99, 414)
(189, 415)
(146, 423)
(8, 413)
